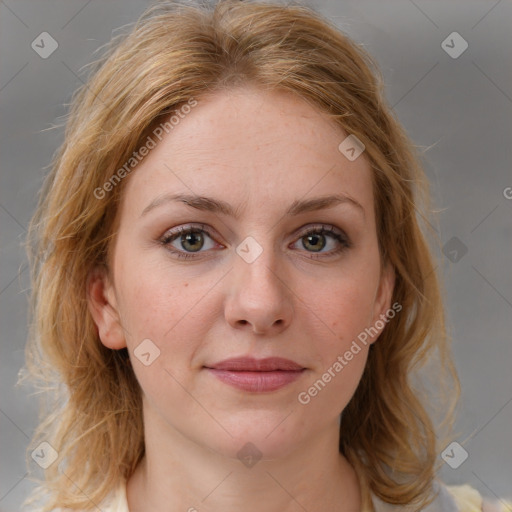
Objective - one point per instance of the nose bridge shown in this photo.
(257, 267)
(259, 296)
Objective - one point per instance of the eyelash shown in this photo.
(344, 242)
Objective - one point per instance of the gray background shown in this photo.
(459, 110)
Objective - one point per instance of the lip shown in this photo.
(257, 375)
(251, 364)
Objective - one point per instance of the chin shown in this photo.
(260, 435)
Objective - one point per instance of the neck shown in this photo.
(179, 474)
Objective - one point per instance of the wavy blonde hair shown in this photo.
(178, 51)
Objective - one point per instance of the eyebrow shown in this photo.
(212, 205)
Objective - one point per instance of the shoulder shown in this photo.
(469, 499)
(460, 498)
(117, 501)
(466, 498)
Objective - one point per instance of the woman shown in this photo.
(235, 289)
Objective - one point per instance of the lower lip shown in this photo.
(257, 381)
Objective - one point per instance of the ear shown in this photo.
(382, 302)
(102, 304)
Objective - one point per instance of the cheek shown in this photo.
(341, 310)
(174, 313)
(171, 319)
(340, 357)
(344, 305)
(153, 296)
(329, 390)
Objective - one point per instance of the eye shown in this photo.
(185, 241)
(317, 239)
(189, 241)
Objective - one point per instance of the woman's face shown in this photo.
(274, 267)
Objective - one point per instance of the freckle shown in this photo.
(186, 284)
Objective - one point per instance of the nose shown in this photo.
(259, 299)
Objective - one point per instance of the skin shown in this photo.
(259, 151)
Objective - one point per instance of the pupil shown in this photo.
(315, 239)
(192, 239)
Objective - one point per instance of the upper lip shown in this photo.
(250, 364)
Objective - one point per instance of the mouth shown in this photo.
(257, 375)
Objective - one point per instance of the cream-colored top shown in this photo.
(462, 498)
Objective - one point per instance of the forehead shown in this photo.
(253, 147)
